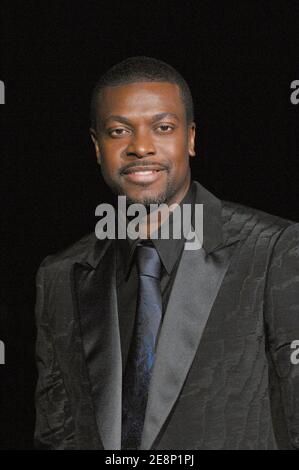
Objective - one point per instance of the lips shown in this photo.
(142, 169)
(143, 174)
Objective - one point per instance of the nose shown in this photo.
(141, 145)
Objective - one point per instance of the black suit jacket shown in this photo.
(223, 378)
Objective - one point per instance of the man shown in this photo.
(222, 332)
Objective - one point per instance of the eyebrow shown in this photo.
(156, 117)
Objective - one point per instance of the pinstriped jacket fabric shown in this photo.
(223, 376)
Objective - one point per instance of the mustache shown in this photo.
(131, 165)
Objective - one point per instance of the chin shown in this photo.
(147, 197)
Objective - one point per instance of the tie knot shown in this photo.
(148, 261)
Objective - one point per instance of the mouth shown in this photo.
(143, 174)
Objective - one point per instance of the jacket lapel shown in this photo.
(197, 283)
(97, 310)
(188, 310)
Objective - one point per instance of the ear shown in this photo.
(96, 144)
(191, 139)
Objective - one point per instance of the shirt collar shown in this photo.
(169, 250)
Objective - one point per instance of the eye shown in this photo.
(118, 132)
(165, 128)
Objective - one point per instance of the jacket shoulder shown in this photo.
(243, 221)
(77, 251)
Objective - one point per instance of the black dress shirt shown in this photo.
(169, 250)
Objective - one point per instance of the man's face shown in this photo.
(143, 143)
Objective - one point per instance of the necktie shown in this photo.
(142, 352)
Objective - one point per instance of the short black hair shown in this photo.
(141, 69)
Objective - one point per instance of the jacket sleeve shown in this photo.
(54, 426)
(282, 320)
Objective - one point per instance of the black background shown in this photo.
(239, 58)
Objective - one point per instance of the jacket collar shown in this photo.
(213, 225)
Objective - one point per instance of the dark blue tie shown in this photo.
(142, 352)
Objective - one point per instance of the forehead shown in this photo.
(144, 98)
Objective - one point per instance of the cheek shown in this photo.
(108, 167)
(111, 158)
(175, 147)
(178, 155)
